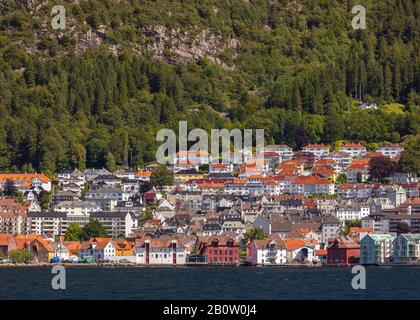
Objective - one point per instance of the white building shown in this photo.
(351, 212)
(162, 252)
(319, 150)
(267, 252)
(354, 149)
(78, 208)
(285, 152)
(308, 185)
(100, 249)
(391, 150)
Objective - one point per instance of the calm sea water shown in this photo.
(210, 283)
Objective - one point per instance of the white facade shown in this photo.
(161, 255)
(266, 252)
(348, 213)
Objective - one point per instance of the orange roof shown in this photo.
(211, 185)
(315, 146)
(238, 181)
(323, 170)
(72, 246)
(28, 177)
(360, 230)
(218, 166)
(321, 252)
(144, 174)
(5, 239)
(311, 180)
(326, 162)
(256, 176)
(292, 244)
(353, 146)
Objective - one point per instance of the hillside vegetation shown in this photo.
(96, 93)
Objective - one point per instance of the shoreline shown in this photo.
(127, 265)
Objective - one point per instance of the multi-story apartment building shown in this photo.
(376, 248)
(116, 223)
(390, 150)
(13, 217)
(162, 252)
(308, 185)
(349, 212)
(26, 181)
(78, 208)
(406, 248)
(267, 252)
(353, 149)
(319, 150)
(285, 152)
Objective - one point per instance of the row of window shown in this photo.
(220, 252)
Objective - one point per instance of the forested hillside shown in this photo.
(96, 93)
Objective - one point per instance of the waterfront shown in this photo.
(210, 283)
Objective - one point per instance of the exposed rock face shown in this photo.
(89, 40)
(178, 46)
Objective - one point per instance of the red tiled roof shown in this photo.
(353, 146)
(28, 177)
(311, 180)
(315, 146)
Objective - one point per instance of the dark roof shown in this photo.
(47, 214)
(187, 171)
(114, 214)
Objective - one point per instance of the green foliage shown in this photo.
(74, 232)
(350, 224)
(254, 234)
(20, 256)
(162, 177)
(410, 157)
(44, 200)
(296, 72)
(10, 189)
(93, 229)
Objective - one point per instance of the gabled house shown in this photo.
(353, 149)
(98, 249)
(7, 244)
(376, 248)
(319, 150)
(163, 251)
(343, 250)
(267, 252)
(219, 250)
(406, 248)
(41, 250)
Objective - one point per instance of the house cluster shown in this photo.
(296, 202)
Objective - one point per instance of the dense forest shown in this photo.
(95, 94)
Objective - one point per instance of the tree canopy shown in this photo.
(96, 93)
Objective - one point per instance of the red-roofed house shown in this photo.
(343, 250)
(390, 150)
(100, 249)
(7, 244)
(319, 150)
(353, 149)
(220, 168)
(219, 250)
(24, 181)
(308, 185)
